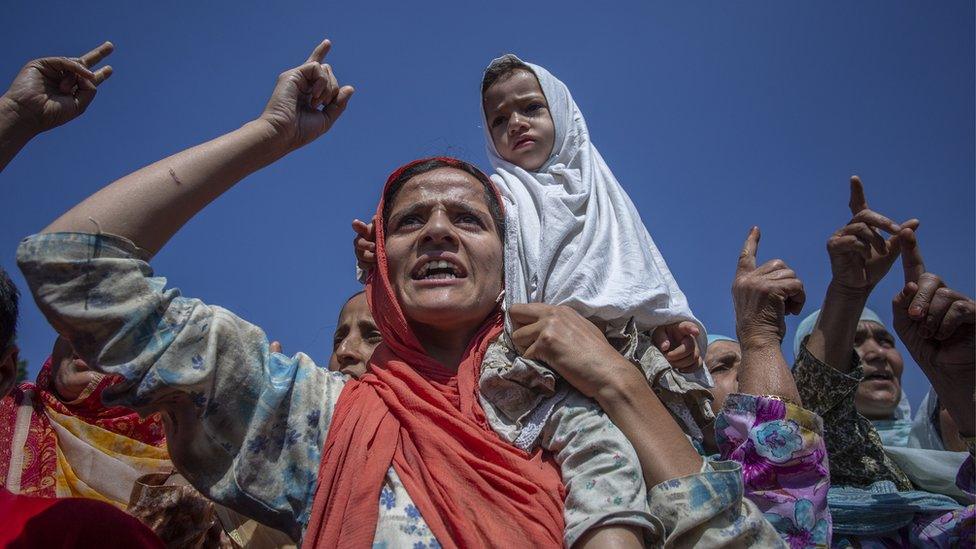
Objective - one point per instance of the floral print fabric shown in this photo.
(784, 464)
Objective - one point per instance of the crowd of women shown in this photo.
(520, 369)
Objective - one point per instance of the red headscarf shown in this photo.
(472, 488)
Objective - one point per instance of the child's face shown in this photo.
(518, 118)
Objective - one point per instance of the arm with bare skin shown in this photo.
(938, 326)
(859, 258)
(577, 350)
(149, 206)
(672, 469)
(763, 296)
(47, 93)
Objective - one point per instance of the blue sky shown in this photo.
(714, 118)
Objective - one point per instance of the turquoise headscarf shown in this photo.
(893, 432)
(712, 338)
(806, 327)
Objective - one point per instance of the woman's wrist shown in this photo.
(267, 143)
(15, 128)
(846, 293)
(832, 339)
(623, 383)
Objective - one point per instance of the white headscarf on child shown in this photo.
(590, 250)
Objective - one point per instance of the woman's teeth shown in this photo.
(438, 270)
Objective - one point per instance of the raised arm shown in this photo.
(859, 258)
(47, 93)
(149, 206)
(938, 326)
(763, 296)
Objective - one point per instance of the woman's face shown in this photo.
(355, 338)
(71, 375)
(722, 358)
(444, 252)
(518, 119)
(879, 392)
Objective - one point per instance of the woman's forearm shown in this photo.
(150, 205)
(663, 449)
(832, 340)
(14, 132)
(764, 371)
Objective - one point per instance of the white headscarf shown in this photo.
(574, 237)
(926, 461)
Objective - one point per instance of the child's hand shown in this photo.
(677, 342)
(365, 244)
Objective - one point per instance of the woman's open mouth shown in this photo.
(438, 269)
(880, 375)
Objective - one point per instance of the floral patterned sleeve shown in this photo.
(245, 426)
(784, 464)
(857, 457)
(709, 509)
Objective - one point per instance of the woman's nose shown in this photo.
(870, 350)
(438, 228)
(348, 352)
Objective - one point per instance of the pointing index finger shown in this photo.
(858, 201)
(747, 257)
(911, 256)
(318, 54)
(93, 57)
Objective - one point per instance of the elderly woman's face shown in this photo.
(355, 338)
(444, 252)
(879, 392)
(722, 358)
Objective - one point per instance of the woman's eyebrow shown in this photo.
(449, 203)
(367, 326)
(465, 207)
(416, 207)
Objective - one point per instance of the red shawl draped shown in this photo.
(472, 488)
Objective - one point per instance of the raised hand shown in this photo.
(938, 326)
(934, 321)
(679, 344)
(306, 102)
(859, 256)
(763, 295)
(365, 244)
(51, 91)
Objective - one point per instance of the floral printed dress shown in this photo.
(784, 464)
